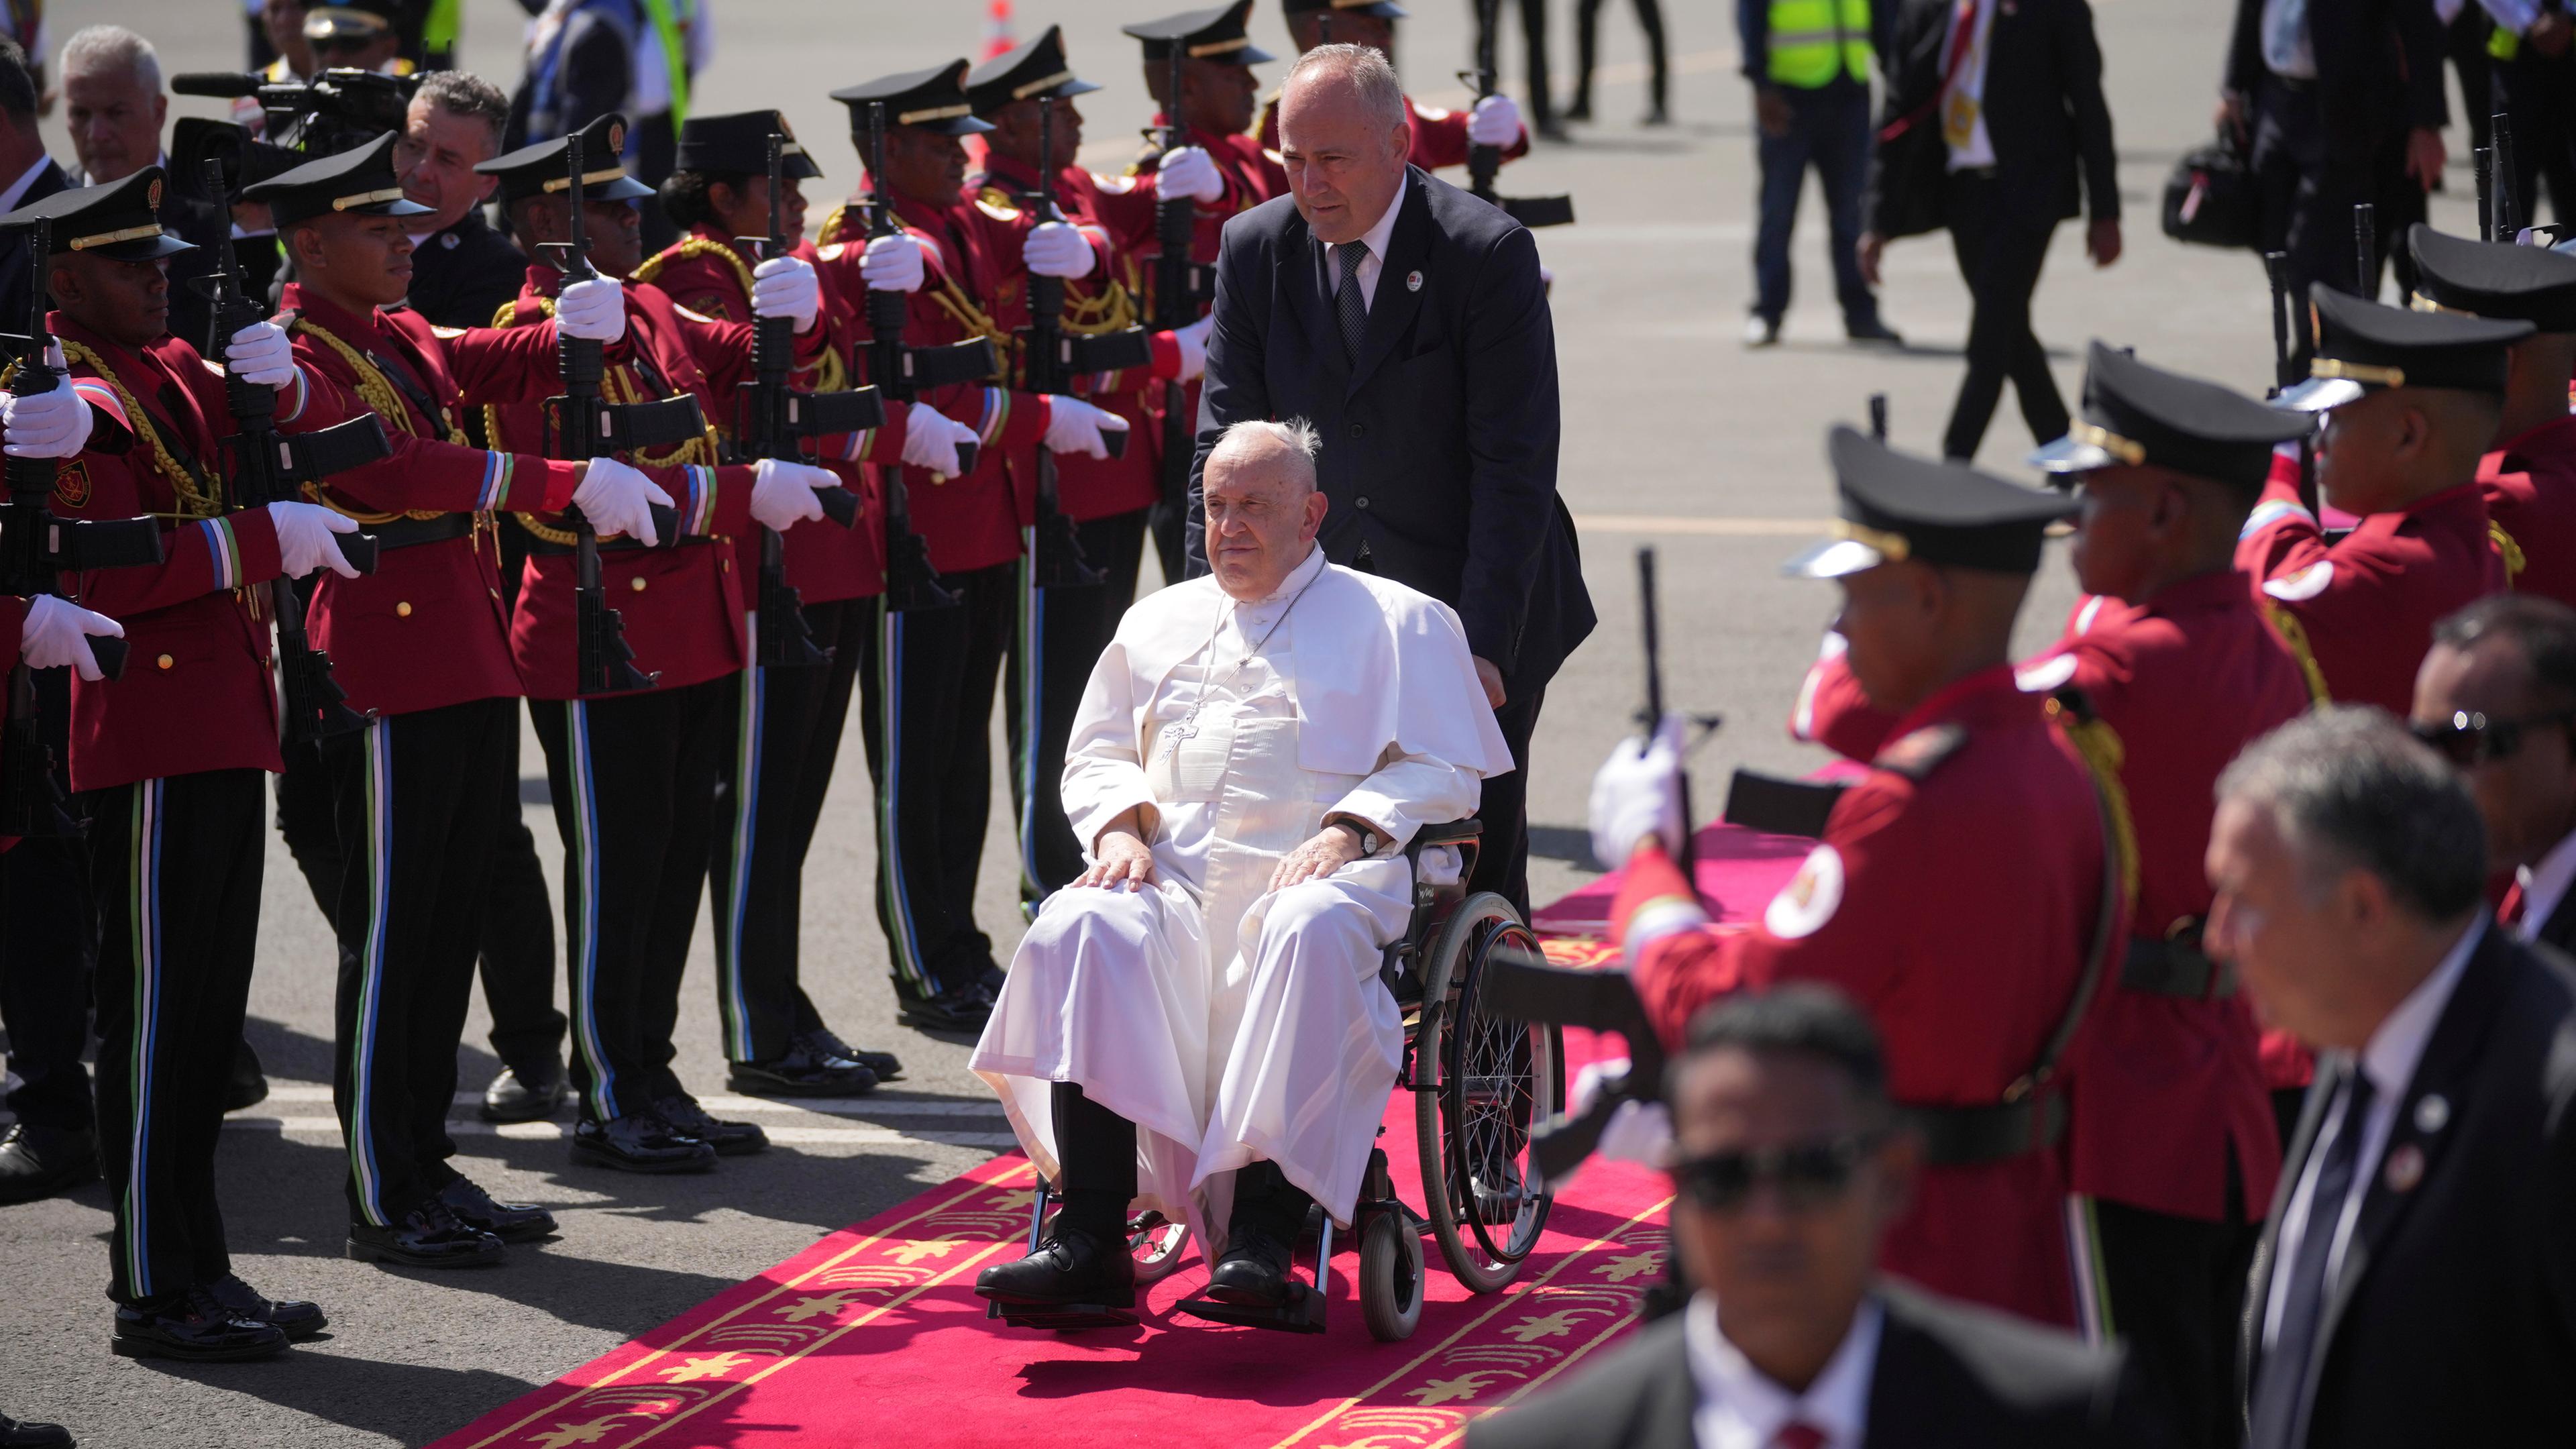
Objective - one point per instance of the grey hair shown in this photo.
(2350, 789)
(106, 47)
(469, 97)
(1296, 436)
(1370, 74)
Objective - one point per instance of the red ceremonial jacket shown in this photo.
(1954, 897)
(2530, 488)
(427, 628)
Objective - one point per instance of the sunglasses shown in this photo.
(2469, 739)
(1806, 1174)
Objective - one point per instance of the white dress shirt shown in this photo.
(2389, 1059)
(2544, 886)
(1376, 237)
(2288, 50)
(1963, 103)
(1741, 1408)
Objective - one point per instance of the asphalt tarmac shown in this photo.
(1675, 436)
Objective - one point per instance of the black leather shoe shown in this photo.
(1254, 1271)
(1581, 110)
(1874, 333)
(194, 1327)
(42, 1161)
(639, 1143)
(1071, 1266)
(511, 1222)
(886, 1065)
(429, 1236)
(807, 1070)
(17, 1435)
(962, 1009)
(529, 1096)
(247, 1085)
(294, 1317)
(729, 1139)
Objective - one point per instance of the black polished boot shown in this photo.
(42, 1161)
(21, 1434)
(729, 1139)
(246, 1085)
(526, 1095)
(511, 1222)
(962, 1009)
(1072, 1267)
(429, 1236)
(886, 1065)
(1257, 1268)
(639, 1143)
(294, 1317)
(807, 1069)
(193, 1327)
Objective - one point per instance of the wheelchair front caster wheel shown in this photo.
(1390, 1278)
(1158, 1245)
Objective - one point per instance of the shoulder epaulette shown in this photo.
(996, 203)
(831, 231)
(508, 316)
(1917, 755)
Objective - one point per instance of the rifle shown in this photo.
(2508, 219)
(899, 372)
(1484, 161)
(1878, 416)
(269, 468)
(579, 425)
(2482, 162)
(1049, 361)
(774, 420)
(2365, 251)
(1181, 287)
(36, 548)
(1651, 717)
(2285, 367)
(1518, 985)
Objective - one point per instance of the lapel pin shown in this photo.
(2432, 1114)
(2405, 1167)
(1413, 281)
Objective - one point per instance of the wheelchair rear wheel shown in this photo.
(1472, 1126)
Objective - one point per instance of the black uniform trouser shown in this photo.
(1587, 36)
(1061, 634)
(2176, 1288)
(176, 863)
(1502, 853)
(518, 948)
(2538, 97)
(1542, 102)
(2307, 191)
(48, 947)
(634, 781)
(782, 739)
(2464, 44)
(933, 764)
(421, 796)
(2000, 256)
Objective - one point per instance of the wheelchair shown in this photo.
(1479, 1082)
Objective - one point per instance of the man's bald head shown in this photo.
(1262, 505)
(1344, 135)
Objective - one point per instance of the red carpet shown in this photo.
(874, 1336)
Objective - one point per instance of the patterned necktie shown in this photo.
(1348, 300)
(1798, 1435)
(2282, 1385)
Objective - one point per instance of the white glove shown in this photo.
(1638, 792)
(1055, 249)
(619, 500)
(931, 440)
(56, 633)
(52, 424)
(892, 264)
(1189, 172)
(1640, 1132)
(260, 353)
(594, 311)
(782, 493)
(1075, 426)
(1193, 343)
(1496, 121)
(785, 287)
(304, 538)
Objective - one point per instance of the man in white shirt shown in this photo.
(1196, 1026)
(2497, 698)
(1790, 1164)
(2416, 1281)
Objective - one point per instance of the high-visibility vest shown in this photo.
(1811, 40)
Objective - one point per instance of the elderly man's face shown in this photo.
(1262, 514)
(1343, 163)
(115, 121)
(2527, 794)
(437, 155)
(2288, 931)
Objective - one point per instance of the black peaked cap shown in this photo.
(1896, 506)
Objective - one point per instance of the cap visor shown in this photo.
(2066, 455)
(2318, 394)
(953, 126)
(1075, 87)
(323, 27)
(799, 167)
(1832, 559)
(145, 249)
(1252, 55)
(400, 206)
(624, 188)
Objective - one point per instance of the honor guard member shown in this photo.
(170, 757)
(2529, 475)
(356, 35)
(2411, 401)
(786, 730)
(1440, 137)
(1214, 163)
(1976, 798)
(422, 646)
(927, 746)
(1063, 630)
(634, 774)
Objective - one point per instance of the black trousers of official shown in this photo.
(2000, 256)
(1061, 634)
(634, 780)
(2538, 97)
(1587, 36)
(2464, 45)
(176, 863)
(48, 947)
(782, 739)
(2307, 193)
(2176, 1287)
(420, 798)
(932, 761)
(1502, 854)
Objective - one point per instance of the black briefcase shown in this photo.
(2210, 198)
(1909, 166)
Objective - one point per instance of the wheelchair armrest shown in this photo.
(1464, 834)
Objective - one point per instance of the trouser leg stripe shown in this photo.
(585, 942)
(144, 929)
(1032, 682)
(905, 947)
(378, 863)
(732, 999)
(2092, 1285)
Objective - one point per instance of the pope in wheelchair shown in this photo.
(1197, 1027)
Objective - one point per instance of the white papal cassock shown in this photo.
(1227, 1021)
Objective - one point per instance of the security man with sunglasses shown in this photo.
(2497, 698)
(1790, 1169)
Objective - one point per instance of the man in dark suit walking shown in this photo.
(2497, 698)
(1407, 322)
(1790, 1165)
(2014, 90)
(2416, 1282)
